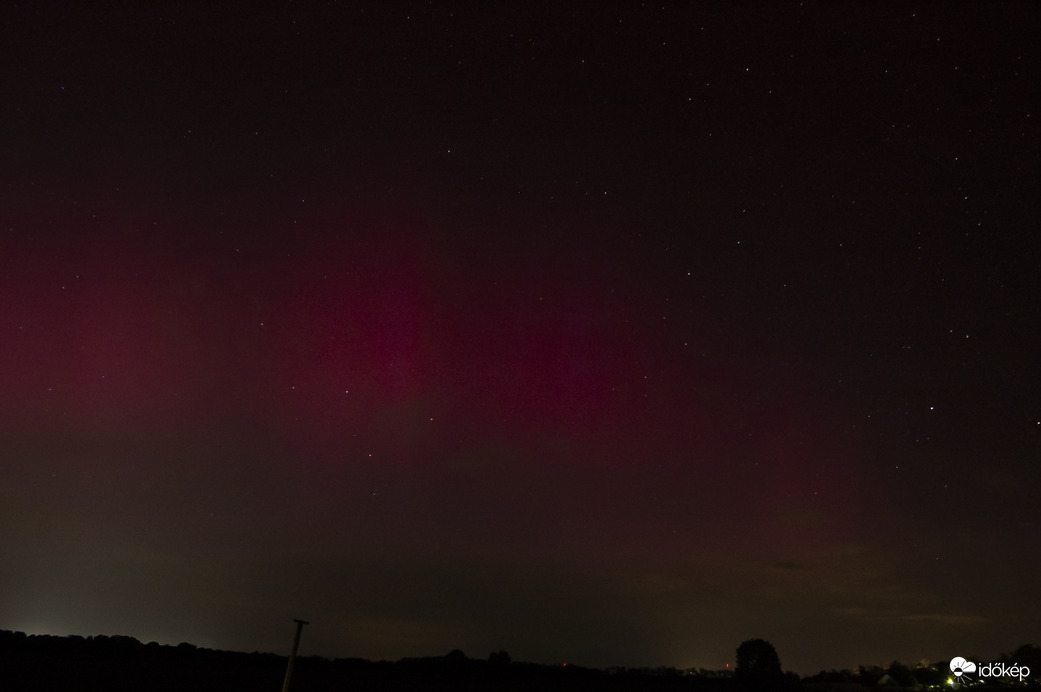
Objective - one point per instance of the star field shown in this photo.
(610, 335)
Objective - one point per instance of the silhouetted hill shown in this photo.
(44, 663)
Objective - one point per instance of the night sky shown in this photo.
(614, 334)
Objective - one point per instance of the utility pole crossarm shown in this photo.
(292, 656)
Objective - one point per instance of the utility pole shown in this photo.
(292, 656)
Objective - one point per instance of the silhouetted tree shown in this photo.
(456, 657)
(1027, 655)
(931, 676)
(757, 657)
(902, 674)
(869, 675)
(499, 659)
(758, 666)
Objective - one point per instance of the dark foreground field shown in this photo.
(119, 663)
(43, 663)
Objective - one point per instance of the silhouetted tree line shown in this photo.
(122, 664)
(926, 676)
